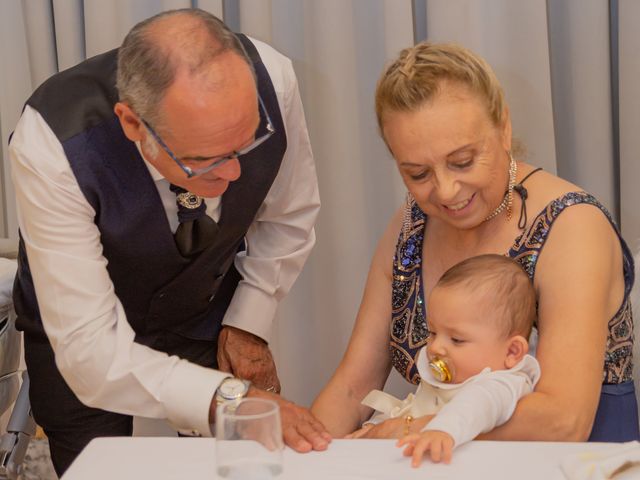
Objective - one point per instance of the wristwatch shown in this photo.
(232, 390)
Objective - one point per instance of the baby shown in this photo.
(475, 366)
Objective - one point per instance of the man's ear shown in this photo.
(130, 122)
(517, 348)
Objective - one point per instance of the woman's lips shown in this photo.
(459, 208)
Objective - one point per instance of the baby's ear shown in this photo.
(517, 348)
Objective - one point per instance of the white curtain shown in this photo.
(338, 49)
(629, 45)
(569, 69)
(512, 36)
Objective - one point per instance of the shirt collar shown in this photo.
(155, 174)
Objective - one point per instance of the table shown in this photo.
(165, 458)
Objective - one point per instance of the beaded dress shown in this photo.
(617, 416)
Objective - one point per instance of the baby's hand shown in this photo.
(439, 443)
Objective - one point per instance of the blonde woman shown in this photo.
(442, 113)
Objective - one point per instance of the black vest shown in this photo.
(159, 289)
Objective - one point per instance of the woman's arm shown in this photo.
(580, 285)
(366, 364)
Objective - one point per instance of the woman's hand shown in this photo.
(392, 428)
(361, 432)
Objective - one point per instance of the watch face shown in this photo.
(232, 388)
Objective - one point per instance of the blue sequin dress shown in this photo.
(617, 415)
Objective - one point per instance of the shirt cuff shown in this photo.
(251, 310)
(189, 397)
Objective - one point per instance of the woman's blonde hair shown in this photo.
(417, 74)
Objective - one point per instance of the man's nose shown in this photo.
(229, 170)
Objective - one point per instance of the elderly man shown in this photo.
(132, 290)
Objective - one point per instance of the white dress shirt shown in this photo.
(84, 320)
(463, 410)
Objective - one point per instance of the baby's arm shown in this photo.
(480, 406)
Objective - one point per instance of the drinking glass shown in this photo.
(249, 440)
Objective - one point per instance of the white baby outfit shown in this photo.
(464, 410)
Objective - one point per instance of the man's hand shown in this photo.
(391, 428)
(248, 357)
(440, 444)
(300, 429)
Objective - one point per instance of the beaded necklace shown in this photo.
(507, 201)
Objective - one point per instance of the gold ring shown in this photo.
(407, 424)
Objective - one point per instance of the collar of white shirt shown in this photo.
(168, 197)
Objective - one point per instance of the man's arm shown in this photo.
(278, 242)
(84, 320)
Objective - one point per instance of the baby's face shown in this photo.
(462, 335)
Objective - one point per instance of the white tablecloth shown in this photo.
(161, 458)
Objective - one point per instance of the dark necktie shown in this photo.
(196, 230)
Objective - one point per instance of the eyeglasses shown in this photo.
(216, 161)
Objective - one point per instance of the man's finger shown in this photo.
(312, 436)
(319, 427)
(294, 440)
(301, 419)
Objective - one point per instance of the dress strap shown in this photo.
(522, 191)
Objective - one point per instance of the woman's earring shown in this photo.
(513, 169)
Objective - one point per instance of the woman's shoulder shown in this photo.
(562, 216)
(569, 222)
(544, 187)
(549, 194)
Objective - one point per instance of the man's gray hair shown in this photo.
(147, 64)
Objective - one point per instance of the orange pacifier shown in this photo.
(441, 370)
